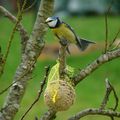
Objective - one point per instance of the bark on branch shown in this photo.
(33, 49)
(101, 110)
(104, 58)
(94, 111)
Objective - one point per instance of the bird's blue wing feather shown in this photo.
(69, 27)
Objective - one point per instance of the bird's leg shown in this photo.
(68, 50)
(64, 42)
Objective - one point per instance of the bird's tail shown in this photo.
(83, 43)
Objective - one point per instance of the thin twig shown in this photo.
(14, 29)
(106, 26)
(39, 92)
(8, 14)
(106, 33)
(94, 111)
(13, 19)
(19, 18)
(24, 74)
(95, 65)
(101, 111)
(114, 39)
(117, 46)
(1, 61)
(109, 89)
(116, 97)
(106, 97)
(9, 43)
(5, 90)
(23, 33)
(29, 7)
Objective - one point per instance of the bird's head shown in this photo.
(53, 22)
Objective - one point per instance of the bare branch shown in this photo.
(24, 74)
(1, 62)
(8, 14)
(95, 65)
(116, 97)
(95, 111)
(39, 92)
(101, 110)
(106, 25)
(106, 33)
(20, 28)
(17, 22)
(114, 39)
(33, 49)
(29, 7)
(117, 46)
(106, 97)
(109, 89)
(112, 118)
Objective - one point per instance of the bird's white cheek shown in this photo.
(52, 24)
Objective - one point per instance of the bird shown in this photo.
(66, 34)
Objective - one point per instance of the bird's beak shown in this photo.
(46, 22)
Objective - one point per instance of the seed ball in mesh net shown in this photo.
(59, 95)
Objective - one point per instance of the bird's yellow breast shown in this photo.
(64, 32)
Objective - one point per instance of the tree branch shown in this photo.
(100, 111)
(106, 25)
(8, 14)
(33, 49)
(95, 111)
(114, 39)
(1, 62)
(104, 58)
(20, 28)
(106, 97)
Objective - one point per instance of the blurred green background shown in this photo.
(90, 91)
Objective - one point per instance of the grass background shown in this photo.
(90, 92)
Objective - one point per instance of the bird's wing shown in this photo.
(69, 27)
(77, 38)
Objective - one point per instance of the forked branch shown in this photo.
(94, 111)
(32, 51)
(104, 58)
(101, 111)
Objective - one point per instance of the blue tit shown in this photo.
(65, 33)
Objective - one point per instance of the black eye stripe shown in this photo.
(50, 20)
